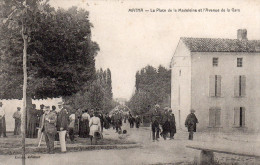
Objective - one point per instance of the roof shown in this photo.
(221, 45)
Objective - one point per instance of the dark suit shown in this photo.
(190, 123)
(156, 119)
(50, 130)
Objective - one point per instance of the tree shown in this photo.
(52, 48)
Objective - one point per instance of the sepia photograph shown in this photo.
(129, 82)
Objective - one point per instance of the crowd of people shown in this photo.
(57, 124)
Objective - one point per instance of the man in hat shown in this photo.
(2, 121)
(165, 123)
(156, 119)
(17, 120)
(62, 119)
(50, 119)
(172, 124)
(190, 123)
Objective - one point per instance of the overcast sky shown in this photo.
(129, 41)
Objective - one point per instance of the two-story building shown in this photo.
(220, 79)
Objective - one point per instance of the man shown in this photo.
(131, 120)
(101, 117)
(17, 120)
(2, 121)
(62, 117)
(118, 121)
(156, 118)
(137, 121)
(50, 119)
(172, 124)
(190, 123)
(165, 123)
(33, 118)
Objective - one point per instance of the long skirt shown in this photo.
(85, 128)
(93, 129)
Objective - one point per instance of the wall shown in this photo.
(201, 70)
(181, 84)
(10, 107)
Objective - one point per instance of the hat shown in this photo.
(192, 110)
(19, 108)
(157, 105)
(166, 108)
(170, 110)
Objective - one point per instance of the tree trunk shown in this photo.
(23, 130)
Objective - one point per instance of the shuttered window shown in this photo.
(239, 116)
(215, 85)
(240, 86)
(214, 117)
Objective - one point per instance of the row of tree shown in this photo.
(153, 86)
(95, 95)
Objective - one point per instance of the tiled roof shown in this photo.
(221, 45)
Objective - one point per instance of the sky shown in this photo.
(131, 40)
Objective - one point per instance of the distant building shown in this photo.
(220, 79)
(121, 101)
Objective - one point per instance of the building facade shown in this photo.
(220, 79)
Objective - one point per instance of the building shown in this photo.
(220, 79)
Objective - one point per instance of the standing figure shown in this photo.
(190, 123)
(137, 121)
(95, 127)
(165, 123)
(118, 121)
(17, 120)
(156, 118)
(113, 120)
(107, 121)
(62, 125)
(131, 120)
(33, 118)
(101, 117)
(72, 118)
(172, 124)
(85, 118)
(2, 121)
(49, 127)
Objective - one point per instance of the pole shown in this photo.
(25, 40)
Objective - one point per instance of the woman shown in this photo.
(85, 118)
(95, 127)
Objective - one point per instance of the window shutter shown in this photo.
(236, 116)
(243, 85)
(211, 85)
(212, 117)
(236, 86)
(218, 116)
(243, 117)
(218, 86)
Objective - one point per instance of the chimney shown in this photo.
(242, 34)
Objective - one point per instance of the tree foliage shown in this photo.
(60, 51)
(153, 86)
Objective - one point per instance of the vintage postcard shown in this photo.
(129, 82)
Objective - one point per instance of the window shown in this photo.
(215, 85)
(179, 72)
(239, 116)
(240, 86)
(239, 62)
(214, 117)
(215, 61)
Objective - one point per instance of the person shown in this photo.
(190, 123)
(40, 112)
(131, 120)
(113, 120)
(165, 123)
(62, 120)
(71, 127)
(107, 121)
(49, 128)
(17, 120)
(137, 121)
(172, 124)
(156, 118)
(32, 129)
(95, 126)
(2, 121)
(85, 118)
(101, 117)
(118, 121)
